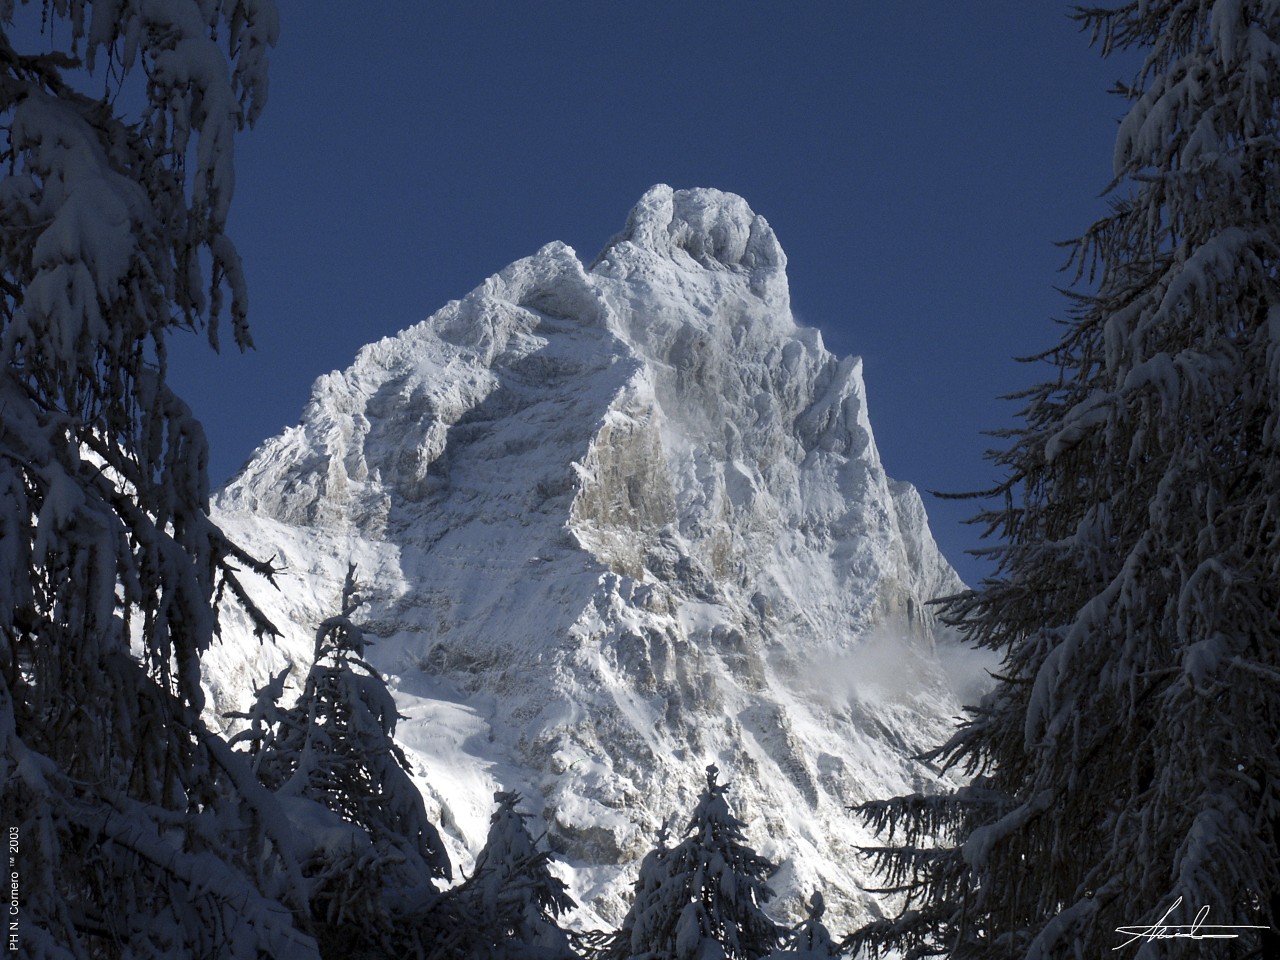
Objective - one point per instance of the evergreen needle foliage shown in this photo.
(513, 900)
(703, 898)
(1127, 765)
(367, 848)
(142, 834)
(810, 940)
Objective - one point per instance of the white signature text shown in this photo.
(1197, 929)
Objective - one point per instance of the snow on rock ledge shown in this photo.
(617, 523)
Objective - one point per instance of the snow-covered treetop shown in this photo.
(509, 844)
(712, 822)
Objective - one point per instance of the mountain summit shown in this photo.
(617, 522)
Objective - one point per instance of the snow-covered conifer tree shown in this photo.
(512, 900)
(810, 940)
(370, 850)
(703, 898)
(1128, 762)
(649, 902)
(141, 833)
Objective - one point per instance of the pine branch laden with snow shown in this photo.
(703, 898)
(1133, 743)
(139, 838)
(920, 863)
(369, 851)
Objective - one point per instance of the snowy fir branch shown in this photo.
(1132, 734)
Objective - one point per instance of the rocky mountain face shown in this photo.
(617, 521)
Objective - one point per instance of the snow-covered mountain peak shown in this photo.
(630, 515)
(714, 229)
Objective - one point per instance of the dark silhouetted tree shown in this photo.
(513, 900)
(810, 940)
(142, 834)
(1127, 765)
(368, 849)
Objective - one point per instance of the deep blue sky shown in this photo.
(917, 160)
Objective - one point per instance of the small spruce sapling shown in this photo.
(702, 899)
(810, 940)
(648, 905)
(513, 899)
